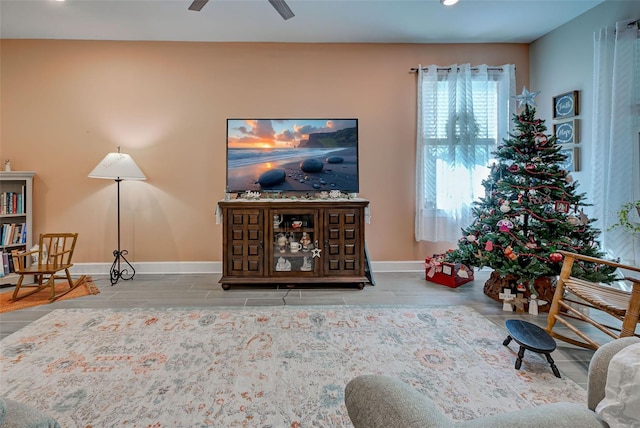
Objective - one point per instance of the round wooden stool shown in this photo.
(530, 336)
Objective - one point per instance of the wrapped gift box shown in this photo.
(448, 274)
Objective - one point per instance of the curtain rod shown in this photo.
(631, 25)
(415, 69)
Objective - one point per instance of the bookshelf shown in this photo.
(16, 218)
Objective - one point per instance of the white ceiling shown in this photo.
(328, 21)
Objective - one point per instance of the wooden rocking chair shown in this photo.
(572, 292)
(54, 254)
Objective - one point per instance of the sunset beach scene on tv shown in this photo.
(297, 155)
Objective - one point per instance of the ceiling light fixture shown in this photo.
(282, 8)
(449, 2)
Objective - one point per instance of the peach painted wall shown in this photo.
(66, 104)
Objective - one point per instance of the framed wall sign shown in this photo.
(566, 132)
(572, 162)
(566, 105)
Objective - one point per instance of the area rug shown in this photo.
(263, 367)
(86, 288)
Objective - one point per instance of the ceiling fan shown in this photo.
(279, 5)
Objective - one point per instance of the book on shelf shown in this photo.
(12, 230)
(8, 234)
(17, 234)
(23, 200)
(6, 207)
(8, 203)
(5, 263)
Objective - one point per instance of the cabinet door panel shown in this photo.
(245, 244)
(333, 218)
(295, 234)
(334, 233)
(349, 234)
(254, 266)
(344, 250)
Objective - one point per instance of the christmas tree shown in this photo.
(530, 210)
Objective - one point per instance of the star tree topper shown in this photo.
(526, 97)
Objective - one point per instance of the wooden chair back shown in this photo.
(573, 293)
(54, 255)
(56, 249)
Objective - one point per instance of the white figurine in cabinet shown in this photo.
(305, 241)
(306, 264)
(281, 242)
(283, 265)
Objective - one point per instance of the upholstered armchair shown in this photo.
(375, 401)
(14, 414)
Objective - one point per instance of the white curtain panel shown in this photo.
(615, 159)
(463, 113)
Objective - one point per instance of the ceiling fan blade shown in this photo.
(282, 8)
(197, 5)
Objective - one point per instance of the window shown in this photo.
(462, 114)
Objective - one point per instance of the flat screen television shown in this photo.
(292, 155)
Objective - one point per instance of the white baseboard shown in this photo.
(406, 266)
(150, 268)
(143, 268)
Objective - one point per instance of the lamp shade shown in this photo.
(117, 166)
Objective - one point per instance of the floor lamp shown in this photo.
(118, 167)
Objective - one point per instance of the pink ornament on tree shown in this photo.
(505, 225)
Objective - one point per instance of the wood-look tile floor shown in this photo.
(392, 288)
